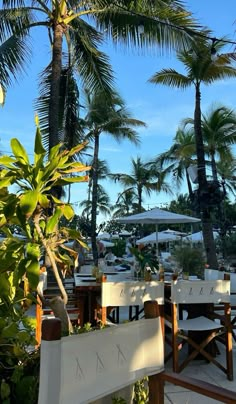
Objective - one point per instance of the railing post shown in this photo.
(50, 362)
(155, 382)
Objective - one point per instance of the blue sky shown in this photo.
(160, 107)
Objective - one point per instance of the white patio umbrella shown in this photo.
(177, 233)
(157, 216)
(162, 237)
(198, 237)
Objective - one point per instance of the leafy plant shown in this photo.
(190, 259)
(119, 248)
(145, 257)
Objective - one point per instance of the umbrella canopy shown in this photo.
(157, 216)
(161, 237)
(198, 237)
(104, 236)
(177, 233)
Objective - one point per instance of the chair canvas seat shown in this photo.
(198, 324)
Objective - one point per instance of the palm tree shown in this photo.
(219, 134)
(103, 203)
(142, 179)
(200, 69)
(82, 27)
(178, 158)
(106, 116)
(126, 204)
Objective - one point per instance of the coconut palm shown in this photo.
(82, 27)
(142, 179)
(178, 158)
(219, 134)
(126, 204)
(200, 69)
(103, 203)
(106, 116)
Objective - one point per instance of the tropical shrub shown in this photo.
(190, 260)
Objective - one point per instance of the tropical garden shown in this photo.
(77, 105)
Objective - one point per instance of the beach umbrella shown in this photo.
(157, 216)
(162, 237)
(198, 237)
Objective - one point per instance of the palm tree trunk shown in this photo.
(55, 86)
(139, 198)
(202, 183)
(213, 168)
(94, 200)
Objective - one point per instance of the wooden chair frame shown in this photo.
(180, 335)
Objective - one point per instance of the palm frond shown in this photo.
(171, 78)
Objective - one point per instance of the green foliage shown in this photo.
(33, 208)
(36, 213)
(190, 259)
(146, 256)
(141, 391)
(119, 248)
(19, 370)
(229, 244)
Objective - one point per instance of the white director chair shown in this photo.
(190, 293)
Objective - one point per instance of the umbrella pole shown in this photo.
(157, 252)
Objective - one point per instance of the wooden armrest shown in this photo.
(200, 387)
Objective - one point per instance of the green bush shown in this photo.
(190, 259)
(119, 248)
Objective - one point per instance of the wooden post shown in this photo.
(155, 382)
(39, 313)
(228, 336)
(50, 362)
(51, 329)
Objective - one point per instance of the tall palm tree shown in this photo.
(219, 134)
(82, 26)
(106, 116)
(178, 158)
(200, 69)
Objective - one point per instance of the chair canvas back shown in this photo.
(200, 291)
(83, 368)
(131, 293)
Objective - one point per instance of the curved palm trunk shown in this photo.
(139, 198)
(213, 168)
(94, 199)
(202, 181)
(55, 86)
(189, 185)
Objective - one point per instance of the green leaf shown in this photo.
(19, 151)
(10, 331)
(29, 202)
(44, 201)
(5, 390)
(7, 160)
(5, 182)
(38, 146)
(68, 211)
(53, 222)
(33, 251)
(32, 272)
